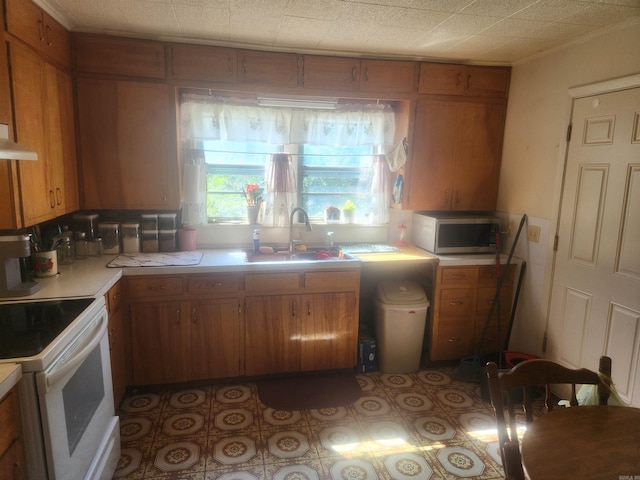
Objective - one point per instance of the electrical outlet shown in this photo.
(533, 233)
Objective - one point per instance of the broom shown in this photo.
(470, 369)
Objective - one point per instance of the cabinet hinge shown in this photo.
(555, 243)
(569, 129)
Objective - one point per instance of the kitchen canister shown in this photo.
(150, 241)
(130, 237)
(45, 264)
(110, 233)
(149, 221)
(187, 239)
(166, 221)
(167, 240)
(86, 223)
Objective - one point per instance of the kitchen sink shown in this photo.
(311, 255)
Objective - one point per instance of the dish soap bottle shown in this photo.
(256, 242)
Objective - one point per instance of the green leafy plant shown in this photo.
(349, 205)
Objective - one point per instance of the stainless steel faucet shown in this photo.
(306, 222)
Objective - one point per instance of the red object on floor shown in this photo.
(514, 358)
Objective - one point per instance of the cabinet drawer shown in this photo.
(458, 276)
(454, 340)
(156, 286)
(263, 282)
(10, 421)
(114, 298)
(485, 299)
(212, 284)
(487, 275)
(456, 302)
(334, 281)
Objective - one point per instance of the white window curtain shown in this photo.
(281, 190)
(380, 190)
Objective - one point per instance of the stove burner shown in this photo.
(27, 328)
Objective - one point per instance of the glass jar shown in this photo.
(149, 221)
(66, 251)
(86, 223)
(150, 243)
(166, 221)
(110, 233)
(130, 237)
(82, 246)
(167, 240)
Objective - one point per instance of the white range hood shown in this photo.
(10, 150)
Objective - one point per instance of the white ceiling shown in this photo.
(473, 31)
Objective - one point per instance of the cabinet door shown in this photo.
(430, 171)
(28, 81)
(128, 150)
(487, 81)
(273, 334)
(119, 56)
(117, 350)
(198, 62)
(388, 76)
(32, 25)
(441, 79)
(477, 156)
(216, 339)
(158, 342)
(329, 331)
(268, 68)
(331, 73)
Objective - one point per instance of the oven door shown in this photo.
(76, 402)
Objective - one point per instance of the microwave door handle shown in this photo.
(60, 369)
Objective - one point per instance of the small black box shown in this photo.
(367, 360)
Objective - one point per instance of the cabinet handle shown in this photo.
(244, 66)
(194, 314)
(156, 288)
(468, 81)
(41, 30)
(455, 304)
(293, 308)
(52, 199)
(215, 284)
(308, 309)
(366, 75)
(453, 340)
(457, 275)
(58, 196)
(229, 65)
(459, 80)
(48, 36)
(353, 75)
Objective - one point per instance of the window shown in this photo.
(331, 154)
(333, 175)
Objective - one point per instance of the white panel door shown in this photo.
(595, 301)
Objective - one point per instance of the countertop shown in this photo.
(92, 278)
(10, 374)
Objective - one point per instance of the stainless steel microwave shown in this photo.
(451, 233)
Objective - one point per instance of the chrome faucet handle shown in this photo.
(330, 239)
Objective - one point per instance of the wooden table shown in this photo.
(589, 442)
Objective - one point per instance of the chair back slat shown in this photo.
(513, 388)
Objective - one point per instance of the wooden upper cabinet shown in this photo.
(199, 62)
(387, 76)
(268, 68)
(119, 56)
(455, 162)
(475, 81)
(331, 73)
(127, 145)
(28, 22)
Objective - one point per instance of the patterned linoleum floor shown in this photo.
(421, 426)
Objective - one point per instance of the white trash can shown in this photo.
(400, 314)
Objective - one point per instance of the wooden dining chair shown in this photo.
(514, 387)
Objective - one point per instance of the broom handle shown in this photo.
(499, 287)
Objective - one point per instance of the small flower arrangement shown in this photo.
(253, 195)
(332, 214)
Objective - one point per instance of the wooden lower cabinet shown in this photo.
(117, 343)
(462, 301)
(294, 333)
(182, 341)
(226, 325)
(12, 463)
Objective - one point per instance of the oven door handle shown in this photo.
(70, 361)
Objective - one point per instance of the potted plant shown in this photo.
(349, 210)
(332, 214)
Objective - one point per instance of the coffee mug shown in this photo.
(45, 264)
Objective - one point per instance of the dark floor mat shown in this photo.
(306, 392)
